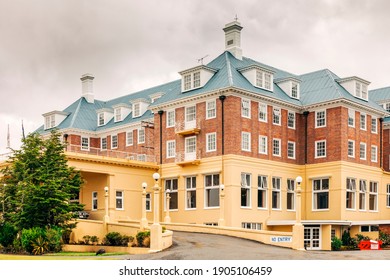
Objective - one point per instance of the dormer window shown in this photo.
(196, 77)
(290, 85)
(121, 111)
(101, 120)
(118, 114)
(104, 115)
(140, 106)
(260, 77)
(50, 122)
(355, 86)
(294, 90)
(53, 119)
(136, 110)
(263, 79)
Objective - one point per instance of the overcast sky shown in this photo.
(128, 45)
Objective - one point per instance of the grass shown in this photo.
(62, 256)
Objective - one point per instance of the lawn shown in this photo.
(62, 256)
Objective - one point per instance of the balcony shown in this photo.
(187, 127)
(183, 159)
(110, 153)
(4, 157)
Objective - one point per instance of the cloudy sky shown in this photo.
(128, 45)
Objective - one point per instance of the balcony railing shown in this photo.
(110, 153)
(188, 158)
(187, 128)
(5, 156)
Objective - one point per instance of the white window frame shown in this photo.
(263, 112)
(363, 155)
(362, 195)
(136, 110)
(171, 115)
(121, 198)
(171, 149)
(294, 94)
(246, 180)
(101, 119)
(264, 80)
(129, 138)
(351, 117)
(363, 121)
(388, 195)
(196, 79)
(373, 192)
(103, 144)
(211, 109)
(276, 116)
(190, 113)
(277, 190)
(174, 193)
(50, 121)
(211, 142)
(245, 108)
(322, 189)
(118, 114)
(374, 125)
(374, 153)
(141, 136)
(317, 150)
(148, 204)
(320, 120)
(94, 206)
(289, 145)
(277, 149)
(245, 141)
(262, 186)
(212, 187)
(187, 81)
(114, 143)
(291, 119)
(190, 185)
(353, 148)
(85, 146)
(350, 190)
(290, 194)
(263, 144)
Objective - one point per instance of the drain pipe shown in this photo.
(161, 112)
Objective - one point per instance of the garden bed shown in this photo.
(108, 249)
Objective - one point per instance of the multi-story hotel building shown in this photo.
(229, 139)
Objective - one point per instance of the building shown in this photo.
(229, 139)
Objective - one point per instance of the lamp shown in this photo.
(144, 185)
(156, 176)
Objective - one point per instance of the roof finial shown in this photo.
(236, 18)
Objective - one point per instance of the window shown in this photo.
(373, 196)
(350, 193)
(103, 143)
(263, 144)
(386, 106)
(262, 191)
(85, 143)
(369, 228)
(320, 147)
(246, 141)
(187, 82)
(119, 200)
(294, 90)
(320, 119)
(50, 121)
(276, 182)
(361, 90)
(171, 184)
(148, 205)
(245, 190)
(117, 114)
(141, 157)
(388, 195)
(100, 119)
(374, 126)
(211, 109)
(263, 80)
(256, 226)
(114, 141)
(190, 114)
(363, 151)
(141, 135)
(276, 147)
(94, 201)
(362, 194)
(291, 120)
(263, 112)
(290, 194)
(211, 190)
(190, 148)
(291, 150)
(211, 142)
(321, 194)
(171, 118)
(276, 119)
(351, 118)
(351, 148)
(363, 125)
(245, 108)
(171, 149)
(190, 192)
(136, 110)
(129, 138)
(196, 79)
(374, 153)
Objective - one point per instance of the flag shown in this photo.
(23, 131)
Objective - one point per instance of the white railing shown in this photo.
(183, 157)
(110, 153)
(5, 156)
(182, 126)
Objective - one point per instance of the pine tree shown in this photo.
(39, 185)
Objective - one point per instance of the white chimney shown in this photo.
(87, 87)
(233, 38)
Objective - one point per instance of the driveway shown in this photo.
(198, 246)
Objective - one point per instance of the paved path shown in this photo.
(197, 246)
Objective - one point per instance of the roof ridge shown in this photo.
(229, 69)
(76, 112)
(329, 74)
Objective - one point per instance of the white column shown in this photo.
(168, 198)
(221, 221)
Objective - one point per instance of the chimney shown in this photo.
(87, 87)
(233, 38)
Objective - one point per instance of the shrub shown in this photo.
(385, 238)
(116, 239)
(336, 244)
(40, 246)
(7, 234)
(141, 236)
(86, 239)
(94, 239)
(54, 239)
(28, 236)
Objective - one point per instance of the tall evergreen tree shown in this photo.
(39, 185)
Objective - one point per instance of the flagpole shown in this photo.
(8, 139)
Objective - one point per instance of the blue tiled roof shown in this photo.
(380, 94)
